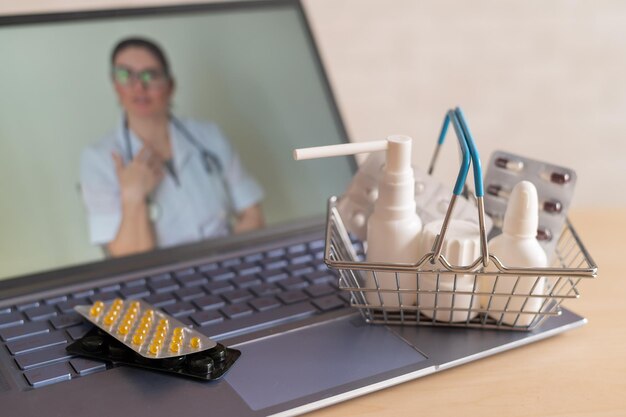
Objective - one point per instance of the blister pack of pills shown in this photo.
(134, 333)
(555, 189)
(432, 198)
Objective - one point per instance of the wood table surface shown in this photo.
(581, 372)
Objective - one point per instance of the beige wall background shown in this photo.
(543, 79)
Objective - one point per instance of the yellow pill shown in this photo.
(195, 343)
(138, 339)
(109, 319)
(164, 322)
(160, 333)
(131, 315)
(174, 347)
(123, 329)
(177, 331)
(154, 349)
(135, 305)
(95, 311)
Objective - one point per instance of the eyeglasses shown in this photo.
(150, 78)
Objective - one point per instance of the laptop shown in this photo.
(253, 68)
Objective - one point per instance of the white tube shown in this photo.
(339, 150)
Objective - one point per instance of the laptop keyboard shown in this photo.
(221, 299)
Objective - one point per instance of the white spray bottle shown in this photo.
(393, 227)
(517, 246)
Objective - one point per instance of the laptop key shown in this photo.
(185, 320)
(49, 374)
(297, 248)
(318, 290)
(253, 257)
(28, 344)
(11, 319)
(192, 280)
(219, 287)
(273, 275)
(265, 303)
(28, 329)
(208, 267)
(237, 296)
(274, 263)
(83, 293)
(55, 300)
(163, 286)
(79, 331)
(184, 272)
(189, 293)
(179, 309)
(26, 306)
(204, 318)
(317, 244)
(297, 270)
(234, 311)
(135, 292)
(293, 296)
(230, 262)
(42, 357)
(259, 320)
(41, 312)
(301, 258)
(160, 277)
(265, 289)
(135, 282)
(84, 366)
(160, 300)
(329, 302)
(321, 277)
(68, 306)
(209, 302)
(246, 269)
(66, 320)
(246, 281)
(274, 253)
(293, 283)
(221, 274)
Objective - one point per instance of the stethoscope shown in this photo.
(210, 162)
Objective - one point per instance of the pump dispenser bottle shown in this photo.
(517, 247)
(393, 227)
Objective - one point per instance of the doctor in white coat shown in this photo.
(156, 180)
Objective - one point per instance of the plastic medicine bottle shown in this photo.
(517, 247)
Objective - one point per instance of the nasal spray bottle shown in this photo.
(518, 247)
(393, 227)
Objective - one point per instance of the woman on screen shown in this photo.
(158, 180)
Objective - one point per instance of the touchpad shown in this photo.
(306, 361)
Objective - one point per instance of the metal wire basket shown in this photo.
(471, 296)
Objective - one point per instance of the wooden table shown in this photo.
(581, 372)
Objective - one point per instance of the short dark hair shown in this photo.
(150, 46)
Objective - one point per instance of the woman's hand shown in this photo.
(138, 178)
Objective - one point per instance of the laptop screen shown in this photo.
(247, 87)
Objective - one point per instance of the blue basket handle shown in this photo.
(469, 152)
(469, 139)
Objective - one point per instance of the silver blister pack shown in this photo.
(145, 330)
(555, 189)
(432, 198)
